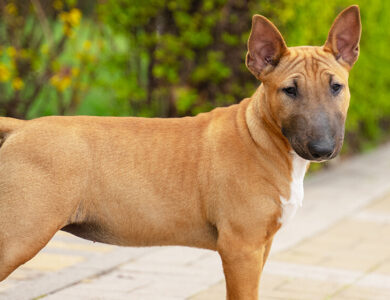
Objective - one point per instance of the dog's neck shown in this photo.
(262, 125)
(267, 134)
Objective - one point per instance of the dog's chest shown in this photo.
(290, 206)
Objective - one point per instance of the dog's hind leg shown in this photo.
(32, 209)
(16, 247)
(28, 220)
(22, 235)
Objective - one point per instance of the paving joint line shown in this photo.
(356, 281)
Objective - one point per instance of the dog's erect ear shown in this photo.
(265, 46)
(344, 36)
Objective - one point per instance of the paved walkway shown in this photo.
(337, 247)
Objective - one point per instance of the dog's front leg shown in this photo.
(242, 264)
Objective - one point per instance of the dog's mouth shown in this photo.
(316, 151)
(308, 156)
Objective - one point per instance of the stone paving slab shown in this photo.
(334, 247)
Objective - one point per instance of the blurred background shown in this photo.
(172, 58)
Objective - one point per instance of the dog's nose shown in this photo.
(321, 149)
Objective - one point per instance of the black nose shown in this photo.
(321, 149)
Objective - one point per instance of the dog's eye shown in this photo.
(290, 91)
(336, 88)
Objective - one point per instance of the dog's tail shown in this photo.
(7, 125)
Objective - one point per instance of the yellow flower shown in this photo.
(87, 45)
(17, 83)
(65, 82)
(63, 16)
(61, 83)
(68, 30)
(54, 80)
(74, 17)
(71, 19)
(4, 73)
(58, 4)
(11, 51)
(75, 72)
(11, 9)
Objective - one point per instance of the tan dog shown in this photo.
(224, 180)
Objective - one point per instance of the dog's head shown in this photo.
(306, 88)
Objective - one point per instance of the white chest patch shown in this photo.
(290, 206)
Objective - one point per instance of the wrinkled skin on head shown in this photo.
(313, 117)
(306, 88)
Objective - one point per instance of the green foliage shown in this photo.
(172, 58)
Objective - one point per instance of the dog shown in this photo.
(225, 180)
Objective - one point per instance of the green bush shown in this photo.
(172, 58)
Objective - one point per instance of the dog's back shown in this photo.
(127, 181)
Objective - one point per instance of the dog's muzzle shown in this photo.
(321, 149)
